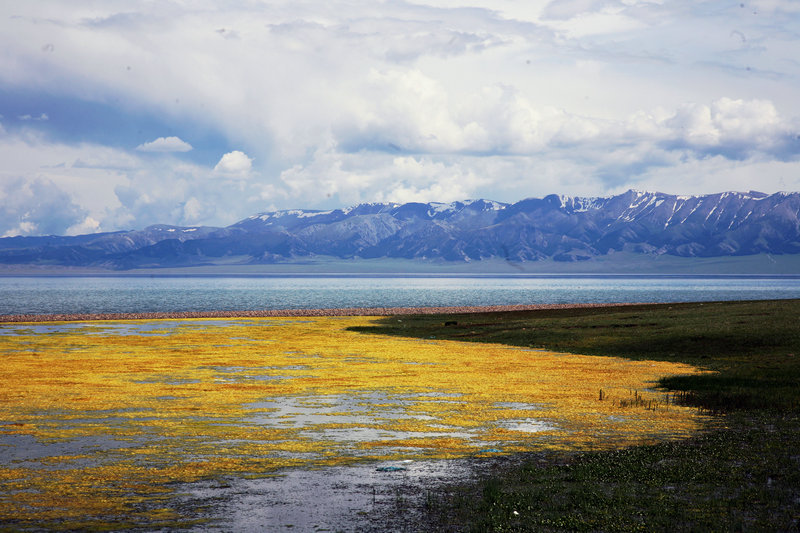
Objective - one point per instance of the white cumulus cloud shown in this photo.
(234, 163)
(165, 144)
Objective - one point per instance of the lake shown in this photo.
(127, 294)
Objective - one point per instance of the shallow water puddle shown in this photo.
(101, 421)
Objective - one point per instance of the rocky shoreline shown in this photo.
(355, 311)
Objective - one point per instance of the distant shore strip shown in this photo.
(353, 311)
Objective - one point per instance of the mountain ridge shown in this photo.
(556, 227)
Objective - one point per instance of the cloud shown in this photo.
(408, 112)
(567, 9)
(376, 177)
(498, 144)
(39, 118)
(764, 7)
(115, 189)
(87, 172)
(182, 193)
(716, 173)
(234, 164)
(331, 103)
(290, 80)
(194, 211)
(165, 144)
(103, 158)
(36, 207)
(734, 128)
(85, 227)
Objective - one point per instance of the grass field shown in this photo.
(743, 473)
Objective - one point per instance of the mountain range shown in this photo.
(558, 228)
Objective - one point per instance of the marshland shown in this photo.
(611, 418)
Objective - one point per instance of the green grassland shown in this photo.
(741, 474)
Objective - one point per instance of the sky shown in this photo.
(116, 114)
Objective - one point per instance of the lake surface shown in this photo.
(42, 295)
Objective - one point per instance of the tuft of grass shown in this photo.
(743, 473)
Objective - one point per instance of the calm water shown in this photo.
(39, 295)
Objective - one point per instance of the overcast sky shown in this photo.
(119, 114)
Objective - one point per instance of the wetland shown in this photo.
(110, 424)
(461, 422)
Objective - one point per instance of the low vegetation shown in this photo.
(742, 473)
(102, 422)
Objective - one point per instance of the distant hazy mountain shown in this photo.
(556, 227)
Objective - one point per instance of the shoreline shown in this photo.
(266, 313)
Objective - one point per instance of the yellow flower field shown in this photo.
(99, 421)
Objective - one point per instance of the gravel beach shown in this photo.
(355, 311)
